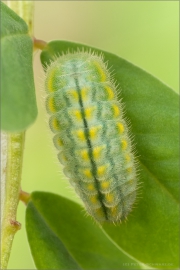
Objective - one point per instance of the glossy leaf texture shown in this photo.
(151, 234)
(18, 102)
(58, 232)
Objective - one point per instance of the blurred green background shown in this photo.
(145, 33)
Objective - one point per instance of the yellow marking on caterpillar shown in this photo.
(78, 115)
(97, 151)
(73, 93)
(116, 110)
(64, 158)
(60, 142)
(55, 124)
(93, 199)
(99, 212)
(124, 144)
(90, 187)
(101, 170)
(127, 157)
(100, 71)
(110, 92)
(84, 91)
(93, 132)
(120, 128)
(87, 173)
(114, 211)
(84, 154)
(109, 197)
(50, 85)
(81, 135)
(105, 184)
(129, 170)
(51, 105)
(88, 112)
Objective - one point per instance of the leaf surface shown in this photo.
(57, 229)
(47, 249)
(18, 102)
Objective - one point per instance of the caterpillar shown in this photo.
(91, 135)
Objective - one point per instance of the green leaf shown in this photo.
(152, 231)
(18, 102)
(54, 222)
(47, 249)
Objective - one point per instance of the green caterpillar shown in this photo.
(91, 135)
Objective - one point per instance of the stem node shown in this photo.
(15, 224)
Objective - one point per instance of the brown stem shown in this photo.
(39, 44)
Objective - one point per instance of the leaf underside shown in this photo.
(47, 249)
(18, 102)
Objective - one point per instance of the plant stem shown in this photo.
(25, 9)
(39, 44)
(12, 157)
(13, 168)
(24, 197)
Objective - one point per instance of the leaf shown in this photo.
(18, 102)
(152, 231)
(54, 223)
(47, 249)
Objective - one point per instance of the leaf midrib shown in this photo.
(159, 182)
